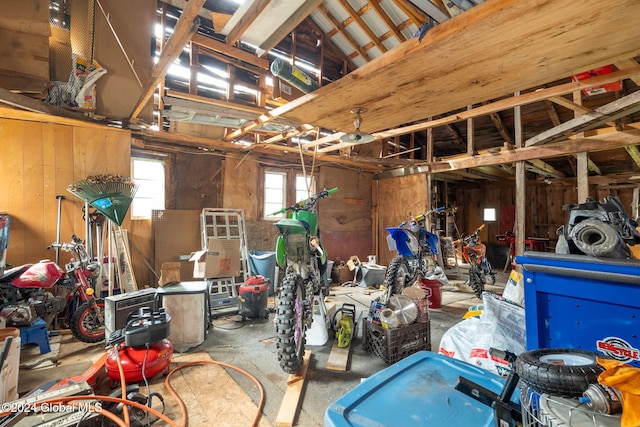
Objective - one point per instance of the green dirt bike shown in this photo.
(300, 254)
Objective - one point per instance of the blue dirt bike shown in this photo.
(417, 249)
(300, 254)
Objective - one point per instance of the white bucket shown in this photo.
(318, 334)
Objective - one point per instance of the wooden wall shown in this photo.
(39, 161)
(397, 199)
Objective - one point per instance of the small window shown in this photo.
(148, 174)
(489, 214)
(305, 187)
(274, 194)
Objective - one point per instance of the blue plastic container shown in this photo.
(578, 301)
(263, 264)
(417, 391)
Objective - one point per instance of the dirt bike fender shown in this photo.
(291, 226)
(280, 252)
(405, 243)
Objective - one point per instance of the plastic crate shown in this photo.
(392, 345)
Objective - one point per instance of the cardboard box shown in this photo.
(220, 259)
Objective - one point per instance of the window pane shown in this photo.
(274, 194)
(148, 174)
(303, 190)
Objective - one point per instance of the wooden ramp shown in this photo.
(339, 357)
(291, 400)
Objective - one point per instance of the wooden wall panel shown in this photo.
(33, 213)
(398, 199)
(243, 185)
(39, 161)
(12, 177)
(200, 181)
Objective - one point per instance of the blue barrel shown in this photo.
(263, 264)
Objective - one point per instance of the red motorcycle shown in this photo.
(25, 293)
(86, 311)
(474, 253)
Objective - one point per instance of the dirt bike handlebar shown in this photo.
(303, 204)
(469, 237)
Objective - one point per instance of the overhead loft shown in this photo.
(442, 87)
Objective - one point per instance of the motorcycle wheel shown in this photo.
(290, 324)
(476, 283)
(85, 325)
(398, 275)
(488, 276)
(565, 372)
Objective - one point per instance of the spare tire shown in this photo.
(565, 372)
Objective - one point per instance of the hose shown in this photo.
(183, 410)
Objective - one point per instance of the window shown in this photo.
(489, 214)
(149, 175)
(276, 190)
(305, 187)
(275, 186)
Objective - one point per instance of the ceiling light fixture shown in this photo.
(357, 137)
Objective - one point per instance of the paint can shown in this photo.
(602, 398)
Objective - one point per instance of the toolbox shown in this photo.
(579, 301)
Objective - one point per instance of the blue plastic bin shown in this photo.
(418, 391)
(264, 264)
(578, 301)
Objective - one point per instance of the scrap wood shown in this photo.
(291, 400)
(339, 357)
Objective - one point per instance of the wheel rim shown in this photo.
(401, 278)
(89, 323)
(567, 359)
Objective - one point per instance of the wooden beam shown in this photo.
(341, 29)
(634, 153)
(541, 168)
(44, 117)
(502, 129)
(503, 104)
(614, 110)
(375, 5)
(551, 150)
(292, 22)
(363, 25)
(230, 51)
(246, 20)
(411, 83)
(27, 103)
(623, 64)
(186, 26)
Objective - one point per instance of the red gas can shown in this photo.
(433, 288)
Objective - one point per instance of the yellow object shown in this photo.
(625, 378)
(345, 330)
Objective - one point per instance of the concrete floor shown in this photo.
(252, 346)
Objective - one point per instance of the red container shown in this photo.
(253, 295)
(433, 289)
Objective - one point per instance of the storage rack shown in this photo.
(225, 224)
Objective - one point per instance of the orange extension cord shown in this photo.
(183, 409)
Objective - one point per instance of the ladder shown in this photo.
(225, 224)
